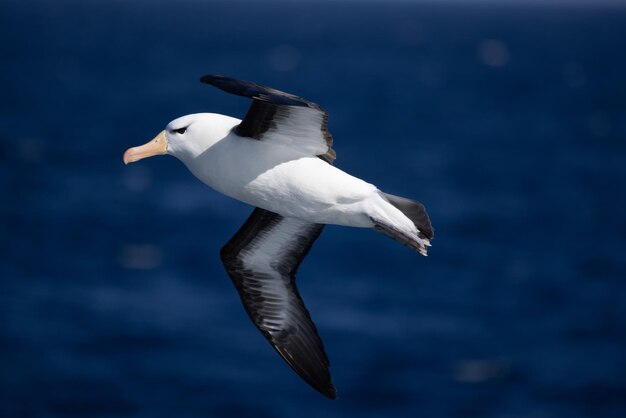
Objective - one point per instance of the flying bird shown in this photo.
(279, 159)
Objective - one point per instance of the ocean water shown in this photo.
(508, 123)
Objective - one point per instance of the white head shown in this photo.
(185, 138)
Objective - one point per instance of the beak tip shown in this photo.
(130, 156)
(126, 157)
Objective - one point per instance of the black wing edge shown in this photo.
(260, 115)
(258, 220)
(256, 91)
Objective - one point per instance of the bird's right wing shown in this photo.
(280, 117)
(262, 259)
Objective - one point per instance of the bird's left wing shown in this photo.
(280, 117)
(262, 259)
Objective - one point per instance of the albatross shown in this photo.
(279, 159)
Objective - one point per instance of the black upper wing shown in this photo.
(280, 117)
(262, 259)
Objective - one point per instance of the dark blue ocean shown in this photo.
(507, 122)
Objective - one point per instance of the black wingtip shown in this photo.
(330, 392)
(325, 386)
(211, 78)
(327, 389)
(255, 91)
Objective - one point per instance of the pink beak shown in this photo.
(158, 146)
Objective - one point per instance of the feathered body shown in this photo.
(279, 159)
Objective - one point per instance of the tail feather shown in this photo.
(415, 243)
(415, 211)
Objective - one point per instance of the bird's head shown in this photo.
(185, 138)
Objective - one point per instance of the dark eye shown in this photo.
(180, 130)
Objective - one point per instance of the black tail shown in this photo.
(415, 211)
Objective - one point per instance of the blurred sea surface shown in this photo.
(508, 123)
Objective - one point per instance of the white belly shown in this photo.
(311, 189)
(277, 179)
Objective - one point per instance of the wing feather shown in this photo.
(262, 259)
(280, 117)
